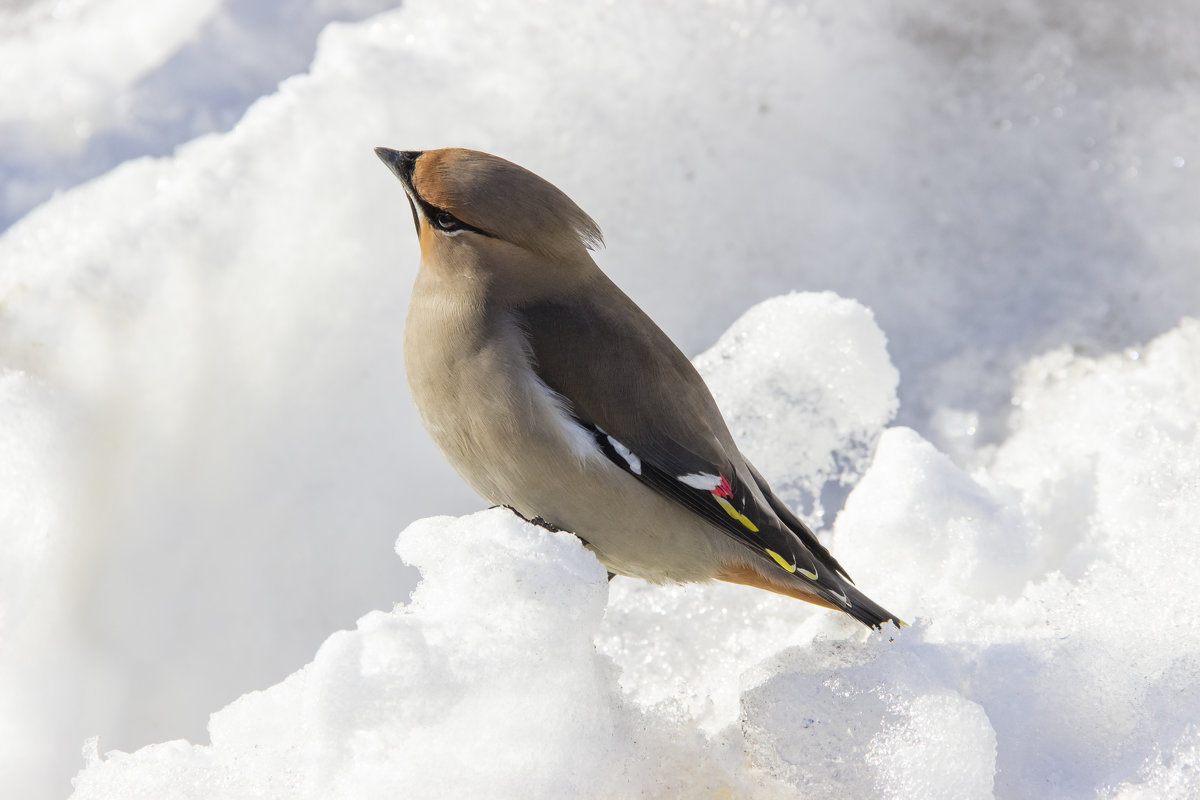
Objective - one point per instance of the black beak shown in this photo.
(402, 162)
(399, 162)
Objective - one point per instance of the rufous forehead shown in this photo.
(427, 177)
(434, 176)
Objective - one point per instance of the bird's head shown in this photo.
(474, 208)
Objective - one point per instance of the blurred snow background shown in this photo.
(207, 448)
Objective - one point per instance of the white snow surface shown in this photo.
(985, 394)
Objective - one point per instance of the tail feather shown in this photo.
(829, 590)
(866, 610)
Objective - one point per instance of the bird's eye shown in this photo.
(443, 220)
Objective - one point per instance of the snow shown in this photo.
(87, 85)
(986, 394)
(807, 382)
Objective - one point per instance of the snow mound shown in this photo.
(808, 380)
(487, 684)
(507, 675)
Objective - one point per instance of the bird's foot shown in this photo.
(550, 526)
(539, 521)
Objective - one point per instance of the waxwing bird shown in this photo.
(552, 393)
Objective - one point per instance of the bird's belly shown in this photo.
(510, 437)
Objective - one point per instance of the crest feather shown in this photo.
(505, 200)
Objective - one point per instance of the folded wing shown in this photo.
(651, 414)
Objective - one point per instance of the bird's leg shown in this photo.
(539, 521)
(550, 526)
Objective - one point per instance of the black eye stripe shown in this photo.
(443, 220)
